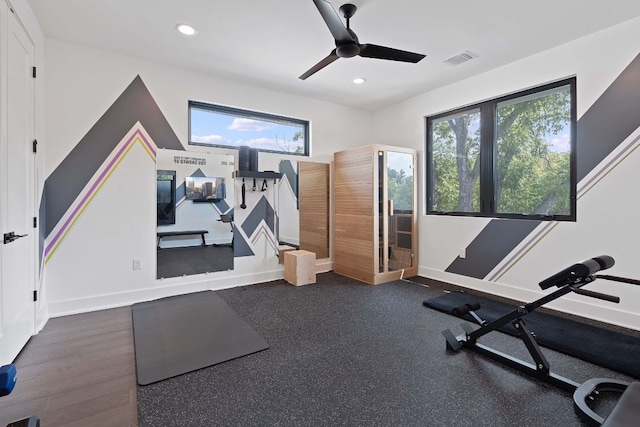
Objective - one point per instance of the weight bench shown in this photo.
(571, 279)
(182, 233)
(627, 410)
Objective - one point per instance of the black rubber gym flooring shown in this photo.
(344, 353)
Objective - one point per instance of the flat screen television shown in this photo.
(205, 188)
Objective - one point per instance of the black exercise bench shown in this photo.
(625, 413)
(627, 410)
(182, 233)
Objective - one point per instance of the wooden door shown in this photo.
(313, 195)
(355, 213)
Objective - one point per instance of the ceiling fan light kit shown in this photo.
(347, 43)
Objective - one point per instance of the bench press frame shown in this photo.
(571, 279)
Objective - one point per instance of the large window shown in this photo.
(219, 126)
(510, 157)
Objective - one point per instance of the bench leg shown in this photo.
(203, 241)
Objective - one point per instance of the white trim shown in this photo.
(166, 288)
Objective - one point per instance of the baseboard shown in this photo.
(324, 265)
(571, 304)
(291, 240)
(107, 301)
(42, 317)
(245, 279)
(164, 288)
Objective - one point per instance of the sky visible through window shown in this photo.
(216, 128)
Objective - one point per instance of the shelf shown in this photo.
(256, 174)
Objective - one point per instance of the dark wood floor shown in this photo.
(78, 371)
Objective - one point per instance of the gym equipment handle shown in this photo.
(243, 205)
(618, 279)
(592, 294)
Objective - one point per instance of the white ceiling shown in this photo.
(269, 43)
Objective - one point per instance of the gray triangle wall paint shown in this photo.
(135, 104)
(286, 168)
(240, 246)
(262, 211)
(604, 126)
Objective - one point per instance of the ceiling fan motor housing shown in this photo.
(347, 50)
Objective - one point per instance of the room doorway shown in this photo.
(17, 191)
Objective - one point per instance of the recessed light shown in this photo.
(186, 29)
(359, 80)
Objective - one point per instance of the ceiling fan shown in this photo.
(347, 43)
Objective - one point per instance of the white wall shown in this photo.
(92, 268)
(607, 214)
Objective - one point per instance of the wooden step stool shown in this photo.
(300, 267)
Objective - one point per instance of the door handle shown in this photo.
(11, 236)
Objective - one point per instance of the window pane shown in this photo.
(226, 127)
(533, 154)
(400, 180)
(455, 150)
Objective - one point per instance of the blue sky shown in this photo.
(209, 127)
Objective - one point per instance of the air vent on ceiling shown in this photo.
(460, 58)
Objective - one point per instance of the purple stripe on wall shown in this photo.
(96, 184)
(66, 182)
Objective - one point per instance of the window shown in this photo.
(219, 126)
(510, 157)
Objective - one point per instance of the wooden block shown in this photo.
(300, 267)
(282, 252)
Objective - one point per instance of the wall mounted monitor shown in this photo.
(205, 189)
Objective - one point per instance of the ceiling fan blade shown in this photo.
(381, 52)
(333, 21)
(320, 65)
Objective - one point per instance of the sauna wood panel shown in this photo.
(313, 197)
(354, 246)
(354, 214)
(353, 181)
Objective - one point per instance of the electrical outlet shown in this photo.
(463, 253)
(137, 264)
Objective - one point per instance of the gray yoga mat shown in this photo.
(180, 334)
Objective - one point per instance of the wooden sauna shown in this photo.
(375, 222)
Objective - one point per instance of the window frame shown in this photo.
(488, 151)
(249, 114)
